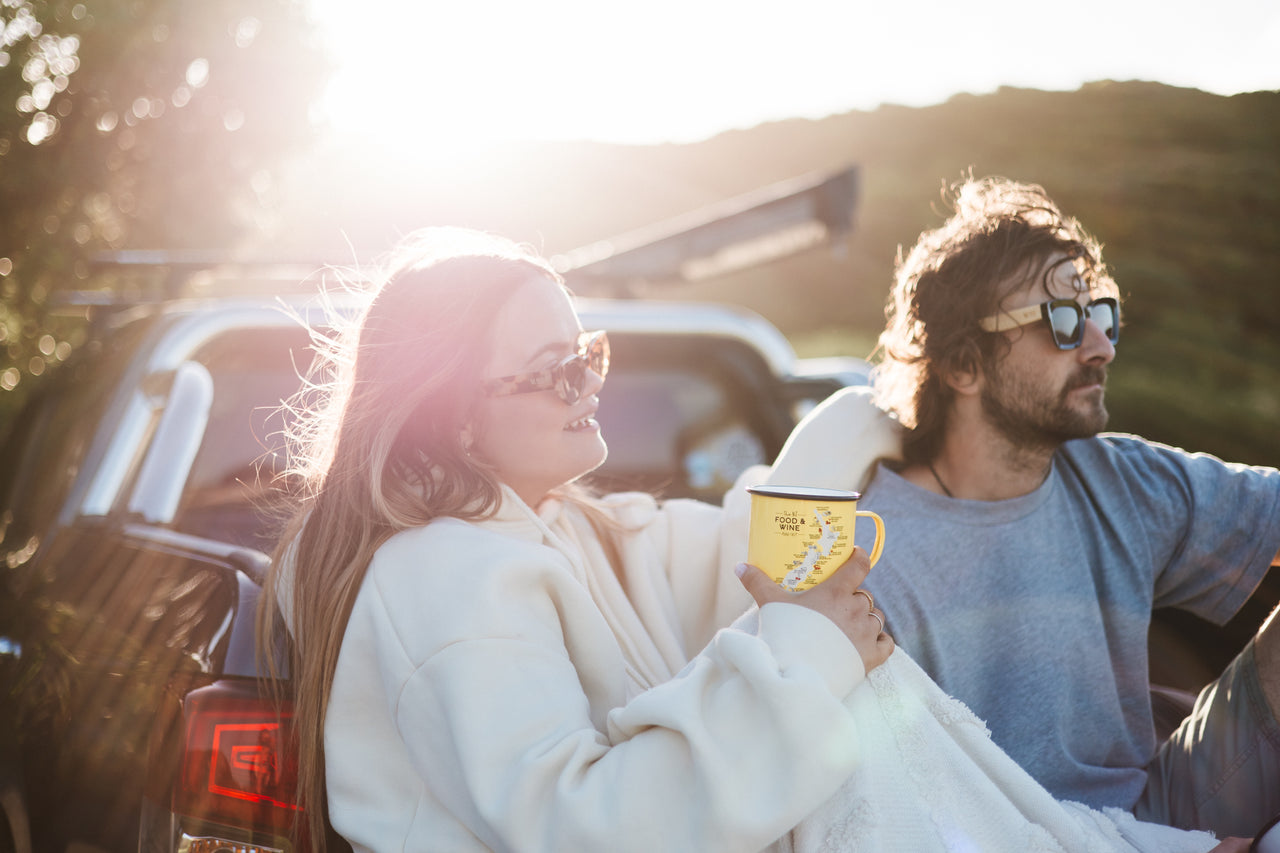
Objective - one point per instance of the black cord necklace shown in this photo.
(934, 471)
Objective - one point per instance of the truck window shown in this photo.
(229, 492)
(46, 446)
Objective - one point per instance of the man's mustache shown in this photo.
(1090, 374)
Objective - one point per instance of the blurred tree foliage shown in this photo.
(152, 123)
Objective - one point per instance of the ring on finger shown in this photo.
(871, 602)
(878, 619)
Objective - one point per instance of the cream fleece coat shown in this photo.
(499, 687)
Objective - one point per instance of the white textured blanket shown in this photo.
(933, 780)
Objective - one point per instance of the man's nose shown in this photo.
(1095, 344)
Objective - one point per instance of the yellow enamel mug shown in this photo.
(799, 535)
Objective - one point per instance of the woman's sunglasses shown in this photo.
(1065, 318)
(568, 378)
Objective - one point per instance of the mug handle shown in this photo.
(1268, 838)
(879, 546)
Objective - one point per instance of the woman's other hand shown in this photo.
(837, 598)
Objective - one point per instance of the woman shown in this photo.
(474, 672)
(490, 659)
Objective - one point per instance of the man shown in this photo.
(1025, 552)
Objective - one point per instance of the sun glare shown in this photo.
(445, 77)
(449, 78)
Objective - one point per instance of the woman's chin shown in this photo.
(596, 459)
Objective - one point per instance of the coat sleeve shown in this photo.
(497, 717)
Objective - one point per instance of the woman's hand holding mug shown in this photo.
(839, 598)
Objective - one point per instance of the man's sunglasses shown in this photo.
(568, 378)
(1065, 318)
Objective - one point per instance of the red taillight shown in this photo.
(237, 767)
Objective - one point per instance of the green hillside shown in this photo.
(1182, 187)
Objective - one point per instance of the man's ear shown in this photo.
(963, 373)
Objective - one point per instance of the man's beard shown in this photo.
(1023, 410)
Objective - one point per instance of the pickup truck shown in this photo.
(135, 520)
(135, 506)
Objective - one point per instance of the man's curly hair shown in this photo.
(1001, 233)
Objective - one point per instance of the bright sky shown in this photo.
(453, 73)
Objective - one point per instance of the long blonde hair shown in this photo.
(376, 447)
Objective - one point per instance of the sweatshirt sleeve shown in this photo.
(837, 444)
(500, 722)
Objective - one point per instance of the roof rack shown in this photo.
(746, 231)
(155, 276)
